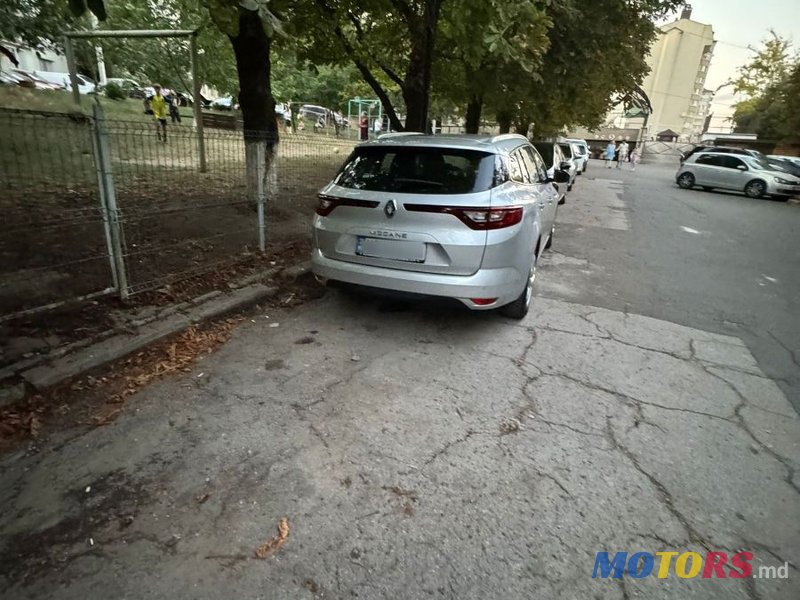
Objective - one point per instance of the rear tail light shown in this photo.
(496, 217)
(483, 301)
(328, 203)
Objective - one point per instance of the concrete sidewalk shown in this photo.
(418, 452)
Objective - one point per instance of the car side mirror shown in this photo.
(741, 167)
(561, 176)
(564, 166)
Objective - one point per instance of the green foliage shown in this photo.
(114, 91)
(771, 82)
(36, 22)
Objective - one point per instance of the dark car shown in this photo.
(723, 150)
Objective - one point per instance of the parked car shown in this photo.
(554, 161)
(795, 160)
(224, 103)
(85, 84)
(462, 217)
(726, 171)
(723, 150)
(30, 80)
(582, 150)
(569, 157)
(780, 164)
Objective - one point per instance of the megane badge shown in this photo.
(390, 208)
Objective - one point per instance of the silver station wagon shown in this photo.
(463, 217)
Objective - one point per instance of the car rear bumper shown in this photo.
(505, 284)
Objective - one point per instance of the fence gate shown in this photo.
(53, 243)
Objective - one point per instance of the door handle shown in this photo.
(541, 205)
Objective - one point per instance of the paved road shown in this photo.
(422, 452)
(711, 260)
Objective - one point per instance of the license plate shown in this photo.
(390, 249)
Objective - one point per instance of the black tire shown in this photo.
(549, 243)
(569, 187)
(686, 181)
(755, 189)
(519, 307)
(562, 200)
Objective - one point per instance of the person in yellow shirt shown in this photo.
(158, 104)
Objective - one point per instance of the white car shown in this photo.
(85, 85)
(462, 217)
(581, 151)
(714, 170)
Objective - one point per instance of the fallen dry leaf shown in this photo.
(276, 542)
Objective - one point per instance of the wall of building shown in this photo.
(679, 61)
(33, 60)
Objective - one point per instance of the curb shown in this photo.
(55, 369)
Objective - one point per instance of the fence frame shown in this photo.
(144, 33)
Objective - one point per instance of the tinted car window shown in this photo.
(546, 150)
(565, 148)
(732, 162)
(418, 170)
(709, 159)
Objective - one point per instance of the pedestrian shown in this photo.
(174, 113)
(610, 153)
(622, 154)
(158, 104)
(363, 127)
(636, 155)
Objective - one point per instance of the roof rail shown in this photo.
(508, 136)
(394, 134)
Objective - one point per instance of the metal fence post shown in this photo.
(108, 202)
(198, 108)
(261, 192)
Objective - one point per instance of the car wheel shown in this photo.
(686, 181)
(569, 187)
(755, 189)
(562, 200)
(519, 307)
(550, 239)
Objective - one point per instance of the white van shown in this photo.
(85, 85)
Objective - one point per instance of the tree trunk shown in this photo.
(417, 82)
(473, 119)
(251, 47)
(504, 121)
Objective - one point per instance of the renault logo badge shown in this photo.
(390, 208)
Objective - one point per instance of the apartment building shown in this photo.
(679, 61)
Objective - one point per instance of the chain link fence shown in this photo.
(94, 206)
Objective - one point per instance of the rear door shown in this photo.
(544, 188)
(408, 207)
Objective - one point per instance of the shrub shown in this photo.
(114, 91)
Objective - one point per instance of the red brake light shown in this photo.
(480, 218)
(483, 301)
(328, 203)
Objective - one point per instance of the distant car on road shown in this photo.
(462, 217)
(582, 151)
(743, 173)
(224, 103)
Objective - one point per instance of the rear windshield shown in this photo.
(546, 150)
(417, 170)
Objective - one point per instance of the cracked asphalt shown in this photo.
(419, 451)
